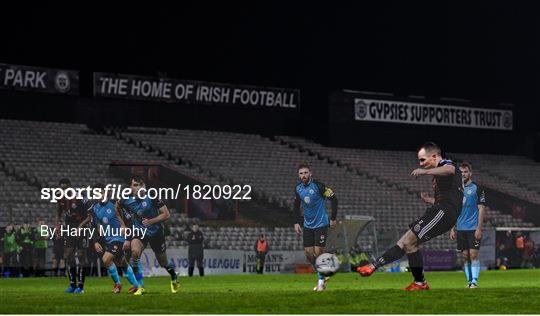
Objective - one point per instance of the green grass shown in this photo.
(500, 292)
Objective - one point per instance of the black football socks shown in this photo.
(82, 276)
(170, 270)
(416, 264)
(389, 256)
(72, 274)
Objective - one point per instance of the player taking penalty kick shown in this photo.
(438, 219)
(312, 195)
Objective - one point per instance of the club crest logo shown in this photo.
(311, 191)
(109, 211)
(469, 192)
(105, 220)
(417, 228)
(360, 109)
(61, 82)
(307, 200)
(144, 204)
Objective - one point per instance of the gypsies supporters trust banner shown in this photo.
(38, 79)
(431, 114)
(193, 92)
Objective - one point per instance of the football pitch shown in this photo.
(500, 292)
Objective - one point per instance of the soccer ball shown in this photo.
(327, 264)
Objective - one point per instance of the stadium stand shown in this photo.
(45, 152)
(514, 175)
(389, 196)
(367, 182)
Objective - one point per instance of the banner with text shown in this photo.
(224, 261)
(275, 261)
(193, 92)
(38, 79)
(215, 261)
(431, 114)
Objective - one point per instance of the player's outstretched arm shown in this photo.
(445, 170)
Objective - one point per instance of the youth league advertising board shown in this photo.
(224, 261)
(193, 92)
(38, 79)
(215, 261)
(431, 114)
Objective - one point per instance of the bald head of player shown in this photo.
(429, 155)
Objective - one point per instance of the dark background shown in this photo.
(486, 52)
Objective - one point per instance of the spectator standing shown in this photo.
(195, 250)
(11, 249)
(261, 249)
(40, 250)
(520, 246)
(26, 242)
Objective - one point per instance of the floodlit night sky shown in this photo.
(486, 52)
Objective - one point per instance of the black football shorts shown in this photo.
(466, 240)
(436, 221)
(315, 237)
